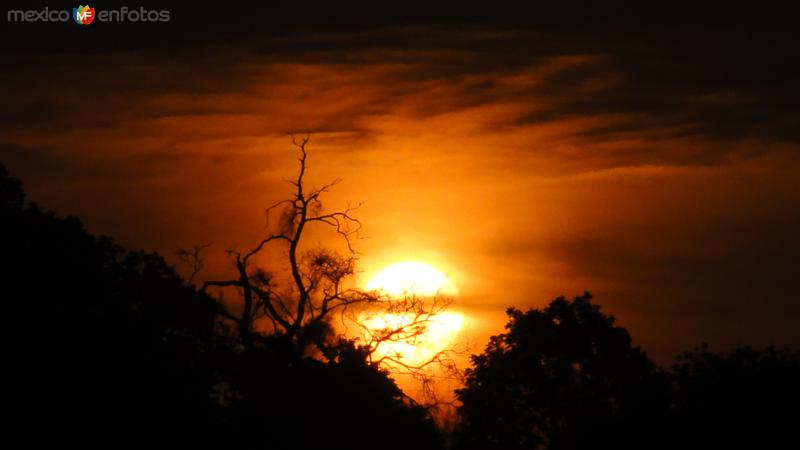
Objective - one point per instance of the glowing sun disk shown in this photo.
(411, 278)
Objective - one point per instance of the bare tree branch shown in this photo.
(306, 307)
(193, 258)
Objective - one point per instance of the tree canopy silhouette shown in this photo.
(106, 342)
(111, 348)
(561, 377)
(744, 398)
(565, 377)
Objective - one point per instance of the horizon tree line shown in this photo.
(120, 350)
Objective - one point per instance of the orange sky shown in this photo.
(490, 169)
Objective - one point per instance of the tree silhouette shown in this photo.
(741, 399)
(279, 402)
(11, 195)
(103, 343)
(561, 377)
(109, 348)
(295, 371)
(319, 294)
(303, 311)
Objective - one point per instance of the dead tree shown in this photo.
(315, 310)
(303, 312)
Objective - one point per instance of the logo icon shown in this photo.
(83, 15)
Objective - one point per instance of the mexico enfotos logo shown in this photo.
(84, 15)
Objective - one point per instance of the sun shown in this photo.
(411, 278)
(419, 280)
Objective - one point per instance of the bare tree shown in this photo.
(302, 312)
(317, 309)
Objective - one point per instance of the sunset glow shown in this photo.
(440, 331)
(411, 278)
(410, 225)
(420, 338)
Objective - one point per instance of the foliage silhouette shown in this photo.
(564, 377)
(561, 377)
(113, 349)
(110, 343)
(741, 399)
(314, 404)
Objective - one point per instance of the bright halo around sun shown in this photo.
(424, 282)
(440, 331)
(411, 278)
